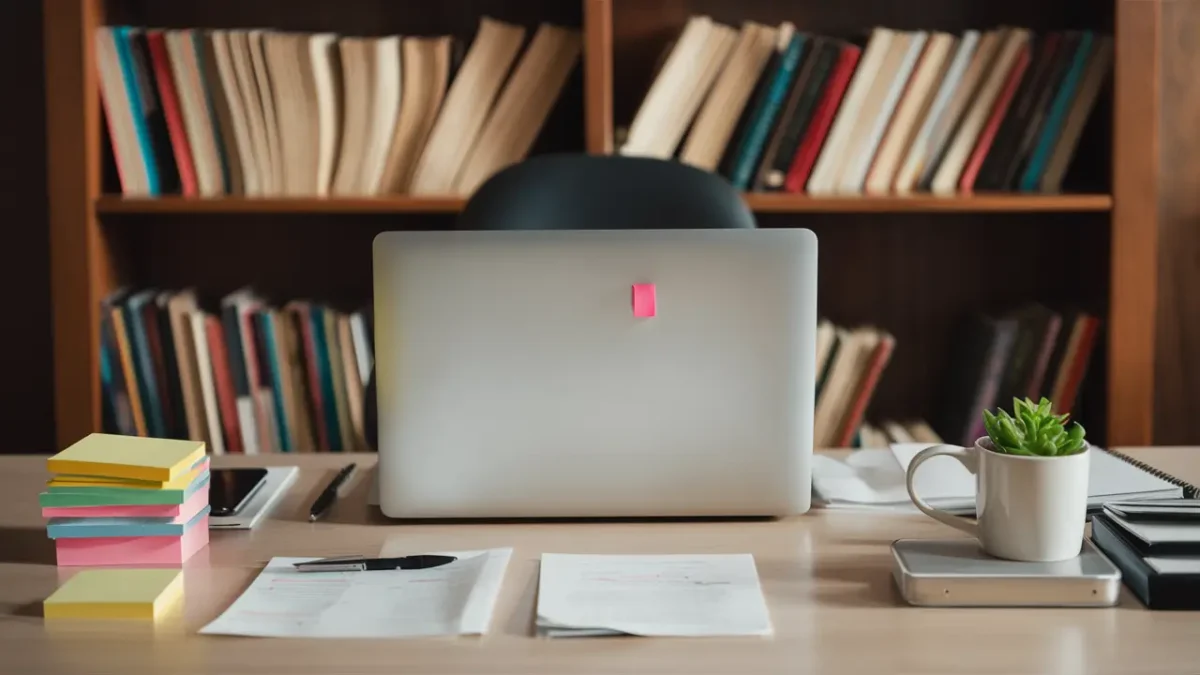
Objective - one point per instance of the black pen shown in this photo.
(321, 506)
(360, 564)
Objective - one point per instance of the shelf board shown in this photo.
(760, 203)
(397, 204)
(980, 203)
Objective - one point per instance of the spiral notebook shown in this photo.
(1113, 477)
(875, 480)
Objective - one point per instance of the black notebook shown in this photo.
(1160, 581)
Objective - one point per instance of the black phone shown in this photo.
(231, 489)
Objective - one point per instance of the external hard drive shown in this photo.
(957, 573)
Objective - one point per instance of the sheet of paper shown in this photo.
(870, 480)
(454, 599)
(650, 595)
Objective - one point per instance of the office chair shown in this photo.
(594, 192)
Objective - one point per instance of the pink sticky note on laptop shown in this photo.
(645, 302)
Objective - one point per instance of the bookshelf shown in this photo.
(1122, 248)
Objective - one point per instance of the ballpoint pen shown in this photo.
(329, 495)
(361, 564)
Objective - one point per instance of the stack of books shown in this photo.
(116, 500)
(774, 109)
(269, 113)
(1029, 352)
(245, 378)
(850, 363)
(1157, 546)
(890, 432)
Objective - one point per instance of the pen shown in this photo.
(360, 564)
(321, 506)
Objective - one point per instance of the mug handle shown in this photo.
(967, 459)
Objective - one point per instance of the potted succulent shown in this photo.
(1033, 430)
(1031, 483)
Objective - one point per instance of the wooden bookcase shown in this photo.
(1125, 246)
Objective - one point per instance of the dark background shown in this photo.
(26, 352)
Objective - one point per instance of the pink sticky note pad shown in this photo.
(645, 304)
(132, 550)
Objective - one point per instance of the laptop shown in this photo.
(575, 374)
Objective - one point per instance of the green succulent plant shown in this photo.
(1033, 430)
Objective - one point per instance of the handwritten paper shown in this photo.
(453, 599)
(650, 595)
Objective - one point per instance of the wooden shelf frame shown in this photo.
(1155, 189)
(759, 203)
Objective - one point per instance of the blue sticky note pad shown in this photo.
(80, 528)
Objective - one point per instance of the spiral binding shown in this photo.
(1189, 491)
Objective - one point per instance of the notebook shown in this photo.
(1153, 537)
(875, 480)
(135, 457)
(1159, 580)
(116, 594)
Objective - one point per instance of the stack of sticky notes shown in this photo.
(116, 594)
(127, 500)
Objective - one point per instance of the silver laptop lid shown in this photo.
(595, 373)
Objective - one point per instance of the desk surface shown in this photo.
(826, 576)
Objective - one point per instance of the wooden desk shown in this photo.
(827, 579)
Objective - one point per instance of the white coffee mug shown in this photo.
(1027, 508)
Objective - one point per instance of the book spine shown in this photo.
(796, 122)
(1045, 349)
(247, 423)
(121, 38)
(986, 137)
(267, 330)
(169, 97)
(123, 341)
(211, 413)
(879, 361)
(764, 117)
(146, 378)
(1057, 116)
(333, 435)
(194, 39)
(986, 395)
(118, 386)
(223, 377)
(308, 345)
(831, 99)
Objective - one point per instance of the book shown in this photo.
(464, 110)
(1159, 581)
(716, 122)
(262, 378)
(263, 112)
(116, 594)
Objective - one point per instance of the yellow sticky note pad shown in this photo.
(116, 594)
(134, 457)
(178, 483)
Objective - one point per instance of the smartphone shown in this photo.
(231, 489)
